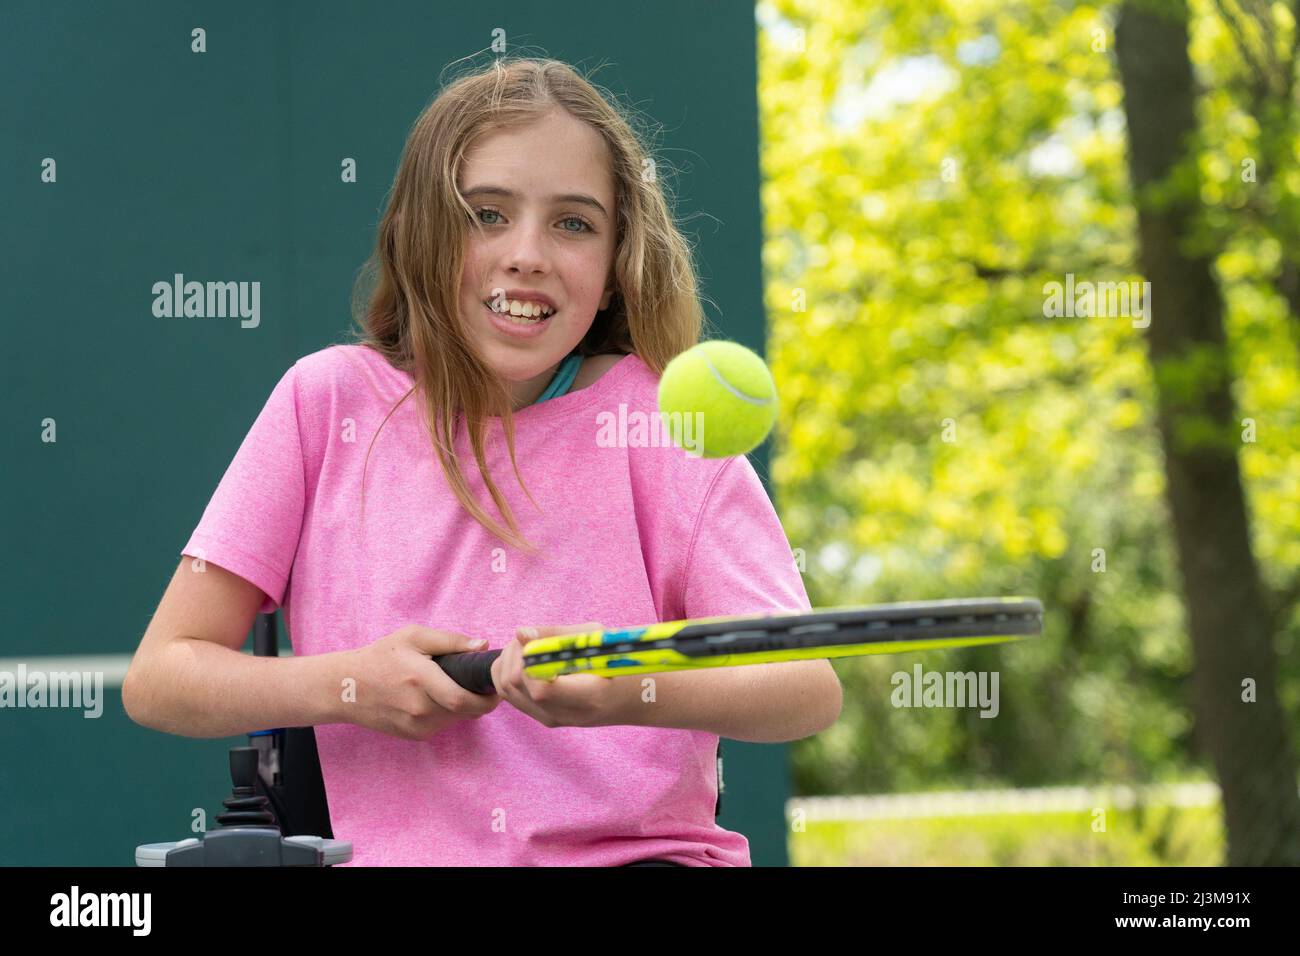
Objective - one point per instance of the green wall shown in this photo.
(224, 166)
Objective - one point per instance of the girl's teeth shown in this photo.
(517, 316)
(520, 313)
(524, 309)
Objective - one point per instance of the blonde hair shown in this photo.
(411, 316)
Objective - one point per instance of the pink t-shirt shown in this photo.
(631, 531)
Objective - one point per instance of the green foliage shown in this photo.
(941, 436)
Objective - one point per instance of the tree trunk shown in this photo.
(1228, 617)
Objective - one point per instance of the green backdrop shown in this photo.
(225, 165)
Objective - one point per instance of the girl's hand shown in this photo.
(395, 687)
(573, 700)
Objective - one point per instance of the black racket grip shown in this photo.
(470, 669)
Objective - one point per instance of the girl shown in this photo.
(531, 288)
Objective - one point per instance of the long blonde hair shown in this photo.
(410, 316)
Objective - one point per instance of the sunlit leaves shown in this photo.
(940, 437)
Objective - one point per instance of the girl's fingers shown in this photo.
(503, 668)
(533, 687)
(528, 694)
(512, 679)
(524, 635)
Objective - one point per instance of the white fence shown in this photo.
(994, 802)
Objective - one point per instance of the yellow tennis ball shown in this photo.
(717, 399)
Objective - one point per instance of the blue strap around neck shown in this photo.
(563, 379)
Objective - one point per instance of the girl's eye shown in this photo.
(586, 226)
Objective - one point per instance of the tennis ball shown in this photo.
(717, 399)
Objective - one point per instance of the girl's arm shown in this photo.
(189, 677)
(758, 703)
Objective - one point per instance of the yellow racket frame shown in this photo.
(664, 659)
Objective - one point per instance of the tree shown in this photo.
(1229, 619)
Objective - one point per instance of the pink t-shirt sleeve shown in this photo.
(740, 562)
(252, 523)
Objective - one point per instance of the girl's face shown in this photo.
(543, 198)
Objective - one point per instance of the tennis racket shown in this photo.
(763, 639)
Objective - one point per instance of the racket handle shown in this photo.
(470, 669)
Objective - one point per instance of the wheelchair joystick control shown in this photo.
(245, 807)
(248, 833)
